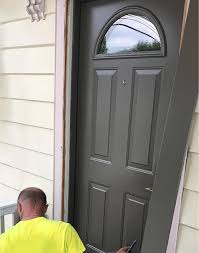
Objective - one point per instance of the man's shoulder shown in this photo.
(5, 235)
(57, 223)
(58, 227)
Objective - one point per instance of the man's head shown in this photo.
(31, 203)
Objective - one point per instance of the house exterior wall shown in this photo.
(188, 235)
(27, 55)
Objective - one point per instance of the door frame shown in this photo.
(62, 107)
(65, 111)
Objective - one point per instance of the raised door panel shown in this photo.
(103, 113)
(134, 218)
(96, 215)
(144, 109)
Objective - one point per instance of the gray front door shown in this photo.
(128, 55)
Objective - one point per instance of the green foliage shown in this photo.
(146, 46)
(103, 46)
(141, 46)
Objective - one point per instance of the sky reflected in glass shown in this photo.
(130, 34)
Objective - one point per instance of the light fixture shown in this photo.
(36, 9)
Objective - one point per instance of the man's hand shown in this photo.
(122, 250)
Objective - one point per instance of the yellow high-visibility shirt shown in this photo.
(41, 235)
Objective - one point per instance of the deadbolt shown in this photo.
(124, 82)
(149, 189)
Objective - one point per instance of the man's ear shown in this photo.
(45, 208)
(19, 209)
(45, 211)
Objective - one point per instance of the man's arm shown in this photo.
(73, 243)
(122, 250)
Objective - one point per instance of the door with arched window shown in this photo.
(127, 62)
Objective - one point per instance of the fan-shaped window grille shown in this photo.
(131, 34)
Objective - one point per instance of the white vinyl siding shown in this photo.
(28, 137)
(37, 60)
(13, 33)
(11, 11)
(188, 235)
(40, 87)
(27, 62)
(188, 240)
(27, 160)
(34, 113)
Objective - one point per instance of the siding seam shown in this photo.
(36, 151)
(27, 74)
(184, 225)
(24, 18)
(28, 125)
(28, 46)
(187, 189)
(26, 172)
(9, 187)
(193, 152)
(28, 100)
(18, 190)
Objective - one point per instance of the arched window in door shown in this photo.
(134, 32)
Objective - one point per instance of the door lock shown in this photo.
(149, 189)
(124, 82)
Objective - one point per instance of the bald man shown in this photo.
(36, 234)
